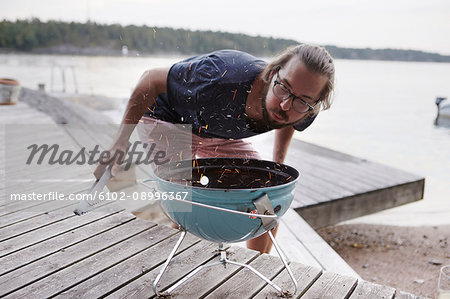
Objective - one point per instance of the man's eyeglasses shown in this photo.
(283, 93)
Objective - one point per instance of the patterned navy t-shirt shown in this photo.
(209, 92)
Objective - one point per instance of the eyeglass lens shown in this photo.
(283, 94)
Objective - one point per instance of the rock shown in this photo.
(435, 262)
(356, 245)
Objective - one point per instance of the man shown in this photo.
(228, 95)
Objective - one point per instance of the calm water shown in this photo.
(383, 111)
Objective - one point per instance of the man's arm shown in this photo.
(282, 140)
(151, 83)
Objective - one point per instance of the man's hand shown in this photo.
(115, 158)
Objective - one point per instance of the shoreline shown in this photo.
(405, 258)
(178, 55)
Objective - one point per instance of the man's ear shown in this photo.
(274, 71)
(271, 74)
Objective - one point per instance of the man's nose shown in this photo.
(286, 104)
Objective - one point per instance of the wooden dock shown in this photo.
(47, 251)
(334, 187)
(109, 253)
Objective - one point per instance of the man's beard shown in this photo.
(282, 113)
(266, 124)
(266, 118)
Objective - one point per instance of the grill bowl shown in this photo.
(234, 184)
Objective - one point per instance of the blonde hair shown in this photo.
(315, 58)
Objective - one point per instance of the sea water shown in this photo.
(383, 111)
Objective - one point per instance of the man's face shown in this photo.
(300, 82)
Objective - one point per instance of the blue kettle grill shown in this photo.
(228, 200)
(223, 200)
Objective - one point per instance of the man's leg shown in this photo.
(262, 243)
(211, 148)
(166, 138)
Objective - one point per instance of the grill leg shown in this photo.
(280, 254)
(224, 261)
(174, 250)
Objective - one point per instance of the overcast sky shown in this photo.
(402, 24)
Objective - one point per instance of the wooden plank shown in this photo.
(19, 151)
(68, 277)
(23, 114)
(33, 223)
(81, 138)
(293, 248)
(305, 196)
(43, 233)
(329, 189)
(11, 207)
(336, 173)
(206, 281)
(333, 212)
(201, 283)
(320, 152)
(27, 279)
(45, 171)
(304, 152)
(62, 181)
(88, 136)
(184, 264)
(26, 133)
(332, 286)
(362, 172)
(405, 295)
(366, 289)
(321, 252)
(304, 275)
(188, 255)
(330, 183)
(322, 189)
(26, 116)
(13, 114)
(60, 243)
(245, 284)
(14, 218)
(26, 162)
(28, 207)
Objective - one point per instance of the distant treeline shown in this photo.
(97, 39)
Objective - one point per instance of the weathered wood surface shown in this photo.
(405, 295)
(371, 290)
(119, 256)
(334, 186)
(331, 285)
(47, 251)
(302, 244)
(246, 284)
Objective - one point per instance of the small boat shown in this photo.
(443, 113)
